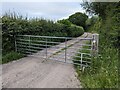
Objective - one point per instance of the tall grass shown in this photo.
(103, 71)
(11, 57)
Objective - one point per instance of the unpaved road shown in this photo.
(35, 72)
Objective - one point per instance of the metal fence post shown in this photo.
(46, 48)
(15, 44)
(65, 49)
(81, 60)
(29, 44)
(95, 44)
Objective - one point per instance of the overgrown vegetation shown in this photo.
(11, 56)
(103, 72)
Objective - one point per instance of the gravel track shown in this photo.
(35, 72)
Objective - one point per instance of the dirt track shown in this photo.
(35, 72)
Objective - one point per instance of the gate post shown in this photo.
(65, 49)
(46, 48)
(15, 43)
(95, 42)
(81, 60)
(30, 44)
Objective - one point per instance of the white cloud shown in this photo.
(48, 10)
(58, 0)
(41, 0)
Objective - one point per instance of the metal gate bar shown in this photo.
(30, 44)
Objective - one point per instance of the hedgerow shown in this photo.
(13, 24)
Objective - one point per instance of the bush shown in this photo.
(75, 31)
(11, 56)
(78, 19)
(91, 21)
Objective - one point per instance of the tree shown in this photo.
(78, 19)
(98, 8)
(91, 21)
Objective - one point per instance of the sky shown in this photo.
(47, 10)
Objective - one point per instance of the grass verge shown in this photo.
(103, 70)
(11, 57)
